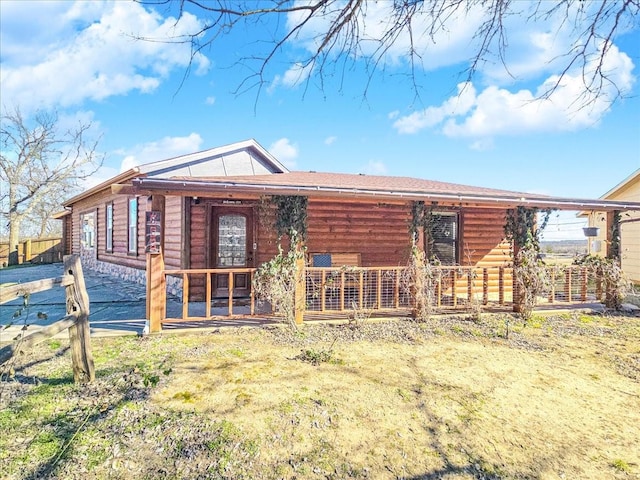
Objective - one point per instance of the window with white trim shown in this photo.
(108, 231)
(87, 240)
(133, 226)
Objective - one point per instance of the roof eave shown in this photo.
(122, 177)
(169, 185)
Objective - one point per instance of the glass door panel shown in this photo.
(232, 241)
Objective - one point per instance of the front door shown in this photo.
(232, 248)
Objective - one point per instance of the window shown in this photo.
(87, 240)
(441, 241)
(109, 227)
(133, 225)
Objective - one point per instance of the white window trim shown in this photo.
(132, 226)
(109, 227)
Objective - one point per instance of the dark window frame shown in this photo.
(440, 237)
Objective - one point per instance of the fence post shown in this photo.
(79, 333)
(27, 251)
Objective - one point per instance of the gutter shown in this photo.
(275, 189)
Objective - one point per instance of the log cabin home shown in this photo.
(202, 220)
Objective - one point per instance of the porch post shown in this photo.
(300, 295)
(516, 294)
(613, 235)
(156, 283)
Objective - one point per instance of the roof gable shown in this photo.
(237, 159)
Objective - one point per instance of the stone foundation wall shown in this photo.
(129, 274)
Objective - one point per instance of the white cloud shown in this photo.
(539, 45)
(454, 106)
(293, 77)
(90, 51)
(330, 140)
(482, 145)
(284, 151)
(210, 100)
(167, 147)
(498, 111)
(375, 167)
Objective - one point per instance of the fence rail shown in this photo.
(76, 320)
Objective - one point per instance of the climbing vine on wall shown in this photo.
(423, 218)
(291, 216)
(614, 235)
(521, 226)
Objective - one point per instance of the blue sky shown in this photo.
(81, 58)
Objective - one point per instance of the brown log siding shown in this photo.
(173, 226)
(97, 204)
(378, 232)
(483, 242)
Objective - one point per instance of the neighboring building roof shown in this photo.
(635, 176)
(242, 158)
(615, 191)
(383, 188)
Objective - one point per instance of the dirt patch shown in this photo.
(451, 398)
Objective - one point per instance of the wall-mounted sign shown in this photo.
(153, 231)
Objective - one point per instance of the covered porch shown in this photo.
(358, 239)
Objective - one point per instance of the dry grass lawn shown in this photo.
(453, 398)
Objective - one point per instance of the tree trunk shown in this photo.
(14, 237)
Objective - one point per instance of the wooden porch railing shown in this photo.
(384, 289)
(340, 290)
(574, 283)
(198, 303)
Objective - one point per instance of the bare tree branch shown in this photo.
(39, 166)
(343, 40)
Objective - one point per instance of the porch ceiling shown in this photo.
(364, 188)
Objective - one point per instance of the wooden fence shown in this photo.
(40, 250)
(76, 320)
